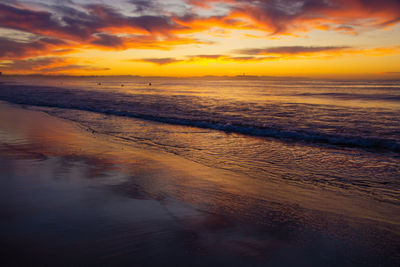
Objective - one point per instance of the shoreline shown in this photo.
(239, 76)
(57, 97)
(218, 207)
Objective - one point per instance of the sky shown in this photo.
(307, 38)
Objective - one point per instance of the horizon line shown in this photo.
(358, 77)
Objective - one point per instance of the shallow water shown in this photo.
(274, 164)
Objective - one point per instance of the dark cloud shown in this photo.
(142, 6)
(108, 40)
(52, 41)
(206, 56)
(30, 64)
(194, 58)
(63, 51)
(10, 49)
(104, 17)
(229, 58)
(252, 58)
(16, 18)
(13, 49)
(289, 50)
(159, 61)
(46, 65)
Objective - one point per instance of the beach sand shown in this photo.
(70, 196)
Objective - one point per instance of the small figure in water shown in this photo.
(122, 85)
(98, 83)
(149, 83)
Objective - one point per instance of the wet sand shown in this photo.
(70, 196)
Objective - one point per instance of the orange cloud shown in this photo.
(289, 16)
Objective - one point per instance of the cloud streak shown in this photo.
(47, 65)
(290, 50)
(10, 49)
(203, 58)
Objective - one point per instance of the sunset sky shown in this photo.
(314, 38)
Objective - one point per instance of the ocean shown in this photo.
(316, 146)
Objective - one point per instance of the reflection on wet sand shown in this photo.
(70, 196)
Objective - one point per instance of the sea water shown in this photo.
(295, 151)
(303, 128)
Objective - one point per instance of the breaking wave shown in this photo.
(189, 111)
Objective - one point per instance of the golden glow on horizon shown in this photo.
(382, 62)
